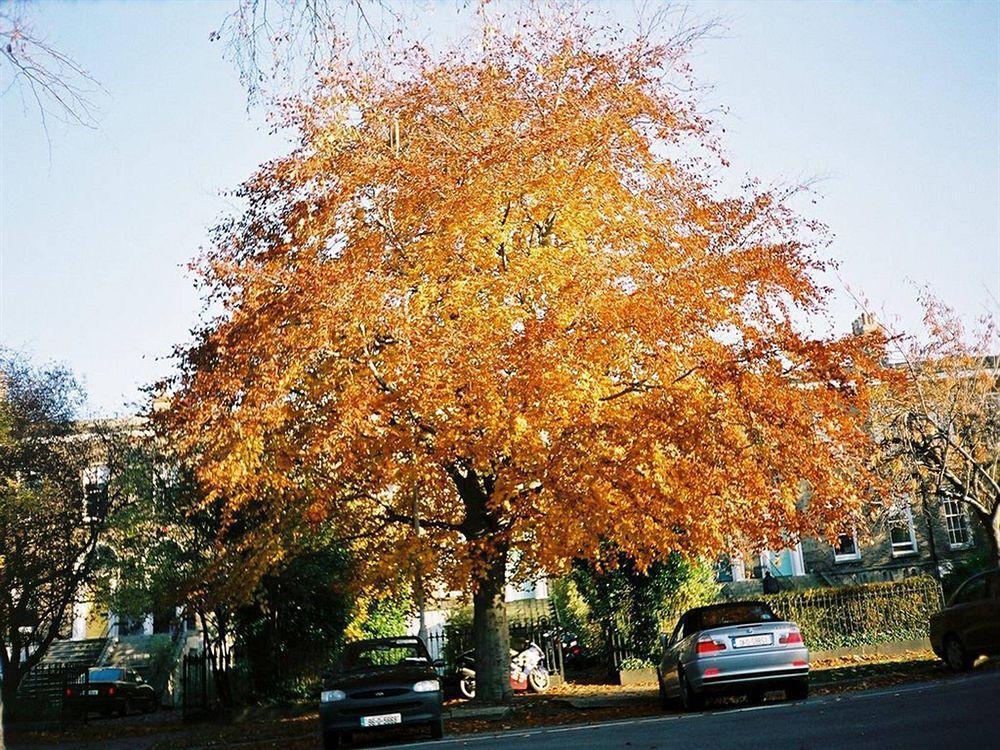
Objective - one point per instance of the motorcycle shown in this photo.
(527, 671)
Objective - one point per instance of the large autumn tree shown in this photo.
(502, 289)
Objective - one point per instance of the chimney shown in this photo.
(867, 323)
(161, 402)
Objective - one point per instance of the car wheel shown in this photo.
(467, 687)
(664, 700)
(437, 729)
(151, 705)
(331, 740)
(538, 680)
(955, 655)
(690, 700)
(798, 691)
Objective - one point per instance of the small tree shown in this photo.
(296, 618)
(941, 434)
(53, 509)
(640, 603)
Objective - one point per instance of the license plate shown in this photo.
(93, 692)
(381, 720)
(745, 641)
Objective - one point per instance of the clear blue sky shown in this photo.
(896, 105)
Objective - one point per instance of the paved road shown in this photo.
(963, 712)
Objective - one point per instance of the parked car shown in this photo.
(969, 626)
(379, 683)
(109, 690)
(740, 648)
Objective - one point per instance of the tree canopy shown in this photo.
(54, 503)
(502, 289)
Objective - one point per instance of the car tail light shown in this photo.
(710, 672)
(111, 690)
(793, 636)
(69, 692)
(800, 663)
(707, 645)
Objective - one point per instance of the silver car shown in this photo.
(736, 648)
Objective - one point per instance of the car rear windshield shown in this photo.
(365, 655)
(105, 675)
(730, 614)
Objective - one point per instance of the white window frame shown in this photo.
(737, 568)
(852, 556)
(904, 510)
(95, 475)
(794, 553)
(961, 515)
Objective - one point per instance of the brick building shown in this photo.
(924, 535)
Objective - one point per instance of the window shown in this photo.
(104, 674)
(725, 615)
(956, 522)
(389, 652)
(730, 568)
(846, 549)
(973, 590)
(95, 492)
(676, 636)
(901, 534)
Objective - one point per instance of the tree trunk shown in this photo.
(13, 673)
(491, 635)
(993, 526)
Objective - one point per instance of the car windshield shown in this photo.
(105, 675)
(368, 654)
(743, 613)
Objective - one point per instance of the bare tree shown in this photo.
(288, 43)
(941, 433)
(46, 78)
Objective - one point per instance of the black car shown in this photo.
(109, 690)
(970, 625)
(380, 683)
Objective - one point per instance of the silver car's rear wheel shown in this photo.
(691, 700)
(664, 699)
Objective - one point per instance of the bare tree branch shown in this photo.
(46, 78)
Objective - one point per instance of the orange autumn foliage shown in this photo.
(503, 286)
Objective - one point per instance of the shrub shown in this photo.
(458, 634)
(634, 662)
(858, 615)
(639, 604)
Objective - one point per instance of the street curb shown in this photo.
(478, 712)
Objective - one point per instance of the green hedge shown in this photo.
(858, 615)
